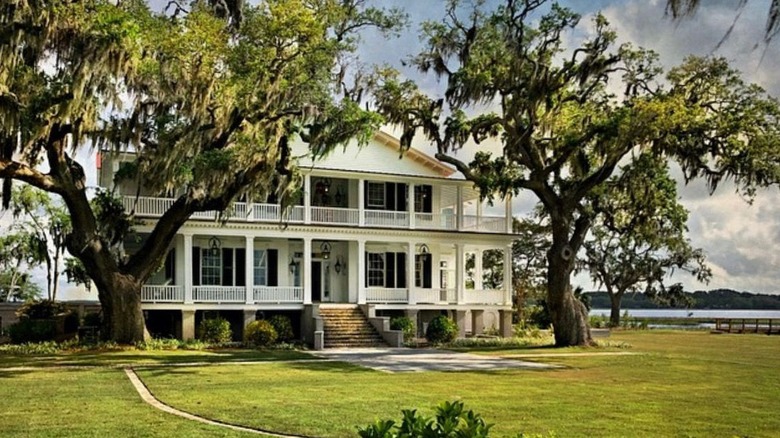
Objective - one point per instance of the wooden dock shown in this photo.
(768, 326)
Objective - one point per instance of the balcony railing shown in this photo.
(145, 206)
(434, 296)
(386, 295)
(281, 294)
(162, 294)
(219, 294)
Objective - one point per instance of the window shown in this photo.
(376, 194)
(376, 269)
(422, 198)
(418, 271)
(211, 268)
(261, 267)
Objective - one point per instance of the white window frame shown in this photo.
(260, 267)
(376, 266)
(208, 263)
(375, 194)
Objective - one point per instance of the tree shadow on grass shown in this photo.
(330, 366)
(10, 374)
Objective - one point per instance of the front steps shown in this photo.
(347, 327)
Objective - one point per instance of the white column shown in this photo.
(361, 202)
(410, 204)
(508, 264)
(460, 272)
(307, 199)
(459, 217)
(508, 213)
(188, 263)
(478, 269)
(410, 271)
(250, 270)
(305, 268)
(361, 267)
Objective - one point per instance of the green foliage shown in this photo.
(283, 327)
(260, 333)
(32, 330)
(43, 309)
(215, 331)
(157, 344)
(406, 325)
(92, 319)
(450, 421)
(76, 273)
(441, 330)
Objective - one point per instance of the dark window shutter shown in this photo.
(273, 267)
(389, 196)
(227, 266)
(196, 266)
(365, 268)
(400, 194)
(365, 195)
(427, 263)
(390, 269)
(401, 271)
(427, 199)
(240, 266)
(170, 266)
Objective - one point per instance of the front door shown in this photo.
(316, 280)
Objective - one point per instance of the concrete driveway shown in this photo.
(397, 360)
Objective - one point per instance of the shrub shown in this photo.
(260, 333)
(404, 324)
(156, 344)
(283, 327)
(43, 309)
(32, 330)
(71, 324)
(451, 420)
(215, 331)
(92, 319)
(441, 330)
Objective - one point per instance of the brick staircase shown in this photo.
(347, 327)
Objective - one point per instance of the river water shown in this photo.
(691, 313)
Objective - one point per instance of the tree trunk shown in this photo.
(614, 314)
(120, 299)
(568, 314)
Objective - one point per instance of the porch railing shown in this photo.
(219, 294)
(146, 206)
(338, 216)
(434, 296)
(280, 294)
(486, 296)
(152, 293)
(382, 218)
(386, 295)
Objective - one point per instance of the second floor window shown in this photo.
(375, 194)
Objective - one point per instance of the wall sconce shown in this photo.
(424, 249)
(325, 250)
(293, 266)
(340, 266)
(214, 245)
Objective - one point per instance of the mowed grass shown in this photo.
(675, 384)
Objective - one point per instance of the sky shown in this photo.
(740, 239)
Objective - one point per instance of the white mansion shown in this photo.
(384, 234)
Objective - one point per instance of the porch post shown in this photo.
(305, 268)
(361, 202)
(410, 273)
(459, 215)
(508, 214)
(410, 205)
(307, 199)
(361, 267)
(460, 271)
(478, 269)
(188, 264)
(508, 265)
(249, 269)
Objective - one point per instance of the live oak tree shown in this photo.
(638, 237)
(207, 96)
(17, 257)
(565, 118)
(685, 8)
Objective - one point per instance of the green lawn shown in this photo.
(676, 384)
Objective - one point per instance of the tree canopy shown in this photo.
(566, 118)
(206, 97)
